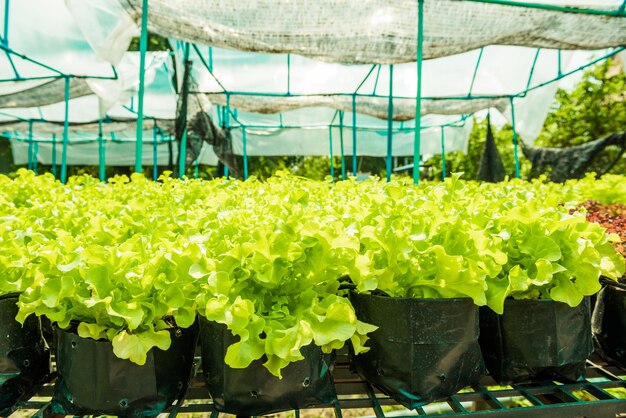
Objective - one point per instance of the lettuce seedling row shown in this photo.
(129, 261)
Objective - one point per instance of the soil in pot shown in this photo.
(536, 340)
(254, 390)
(24, 356)
(93, 381)
(423, 350)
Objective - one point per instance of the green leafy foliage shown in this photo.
(129, 260)
(595, 108)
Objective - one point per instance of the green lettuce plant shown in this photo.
(129, 259)
(272, 273)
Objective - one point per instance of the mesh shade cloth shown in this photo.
(371, 31)
(403, 109)
(117, 127)
(45, 94)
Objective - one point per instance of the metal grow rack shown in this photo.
(596, 397)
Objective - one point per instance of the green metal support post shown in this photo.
(443, 154)
(515, 145)
(388, 161)
(343, 155)
(35, 153)
(102, 173)
(355, 169)
(66, 128)
(330, 142)
(155, 162)
(29, 161)
(417, 145)
(53, 169)
(143, 46)
(182, 159)
(480, 56)
(245, 152)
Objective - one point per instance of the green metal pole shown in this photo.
(29, 161)
(417, 145)
(332, 163)
(515, 147)
(102, 172)
(567, 9)
(6, 22)
(182, 160)
(143, 46)
(355, 169)
(443, 154)
(245, 153)
(343, 155)
(54, 155)
(532, 68)
(226, 119)
(558, 61)
(66, 128)
(35, 152)
(155, 162)
(389, 167)
(480, 56)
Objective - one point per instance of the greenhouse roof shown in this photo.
(290, 77)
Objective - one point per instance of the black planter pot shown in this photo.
(536, 340)
(93, 381)
(423, 350)
(24, 356)
(254, 390)
(608, 325)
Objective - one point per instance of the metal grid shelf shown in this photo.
(597, 397)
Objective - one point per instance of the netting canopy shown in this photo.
(284, 77)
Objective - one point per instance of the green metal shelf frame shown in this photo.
(547, 399)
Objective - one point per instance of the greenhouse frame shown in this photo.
(401, 80)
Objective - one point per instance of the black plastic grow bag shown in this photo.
(93, 381)
(423, 350)
(24, 355)
(254, 390)
(608, 325)
(536, 340)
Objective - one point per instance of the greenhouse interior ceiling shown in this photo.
(262, 78)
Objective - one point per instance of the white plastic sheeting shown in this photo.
(116, 152)
(260, 83)
(371, 142)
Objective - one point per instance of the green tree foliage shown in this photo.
(594, 109)
(155, 43)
